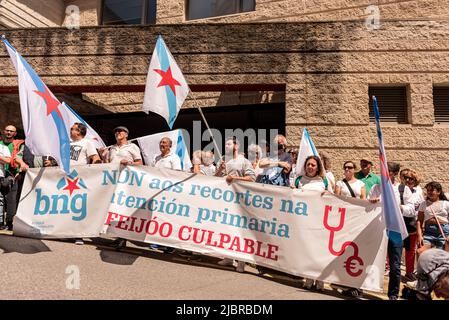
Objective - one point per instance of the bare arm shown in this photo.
(95, 158)
(363, 192)
(420, 228)
(337, 190)
(5, 160)
(230, 178)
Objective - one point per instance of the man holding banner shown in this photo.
(167, 159)
(234, 166)
(123, 152)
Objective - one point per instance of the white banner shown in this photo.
(330, 238)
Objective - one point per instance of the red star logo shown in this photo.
(72, 185)
(167, 79)
(52, 103)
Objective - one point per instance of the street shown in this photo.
(59, 269)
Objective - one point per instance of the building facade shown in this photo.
(316, 63)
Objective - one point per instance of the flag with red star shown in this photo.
(46, 121)
(166, 88)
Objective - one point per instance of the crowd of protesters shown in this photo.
(425, 211)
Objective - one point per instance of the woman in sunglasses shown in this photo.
(433, 224)
(350, 186)
(411, 179)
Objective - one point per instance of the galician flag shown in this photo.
(42, 114)
(393, 218)
(166, 88)
(306, 149)
(149, 146)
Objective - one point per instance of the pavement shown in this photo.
(59, 269)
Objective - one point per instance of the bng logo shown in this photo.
(69, 201)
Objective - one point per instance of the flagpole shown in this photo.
(205, 121)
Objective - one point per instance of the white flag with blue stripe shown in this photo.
(42, 113)
(166, 89)
(306, 149)
(149, 146)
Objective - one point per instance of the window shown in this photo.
(392, 102)
(198, 9)
(128, 12)
(441, 103)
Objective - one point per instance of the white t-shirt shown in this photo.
(440, 208)
(170, 161)
(80, 151)
(129, 152)
(208, 170)
(407, 209)
(355, 186)
(314, 184)
(4, 152)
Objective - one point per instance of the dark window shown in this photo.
(198, 9)
(129, 12)
(392, 102)
(441, 103)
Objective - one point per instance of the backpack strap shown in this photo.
(326, 183)
(349, 187)
(401, 189)
(297, 181)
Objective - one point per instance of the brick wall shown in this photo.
(327, 69)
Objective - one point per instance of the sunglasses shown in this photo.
(409, 178)
(10, 131)
(348, 167)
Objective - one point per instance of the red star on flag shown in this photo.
(72, 185)
(52, 103)
(167, 79)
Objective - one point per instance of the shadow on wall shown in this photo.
(53, 10)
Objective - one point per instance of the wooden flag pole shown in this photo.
(207, 124)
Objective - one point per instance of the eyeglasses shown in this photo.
(409, 178)
(348, 167)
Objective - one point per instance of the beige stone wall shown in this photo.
(327, 69)
(173, 11)
(41, 13)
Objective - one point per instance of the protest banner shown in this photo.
(326, 237)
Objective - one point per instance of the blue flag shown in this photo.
(395, 225)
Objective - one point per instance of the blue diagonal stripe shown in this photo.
(165, 64)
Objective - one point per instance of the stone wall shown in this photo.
(327, 69)
(42, 13)
(173, 11)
